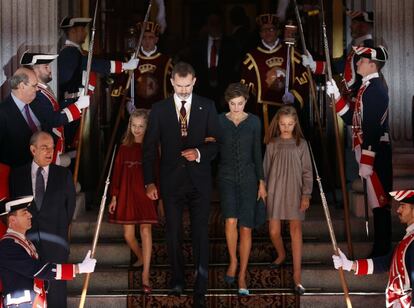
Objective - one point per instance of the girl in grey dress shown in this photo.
(288, 175)
(240, 179)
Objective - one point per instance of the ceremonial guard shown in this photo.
(154, 70)
(23, 275)
(370, 139)
(361, 33)
(399, 263)
(72, 62)
(264, 72)
(46, 106)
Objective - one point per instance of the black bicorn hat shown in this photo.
(69, 22)
(404, 196)
(29, 58)
(377, 53)
(13, 205)
(363, 16)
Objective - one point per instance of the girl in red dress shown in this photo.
(130, 205)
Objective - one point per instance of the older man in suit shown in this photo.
(186, 127)
(54, 195)
(17, 120)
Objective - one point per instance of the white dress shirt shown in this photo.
(45, 173)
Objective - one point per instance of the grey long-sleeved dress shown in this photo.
(240, 168)
(288, 174)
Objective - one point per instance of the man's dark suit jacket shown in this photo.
(163, 128)
(227, 68)
(52, 221)
(15, 135)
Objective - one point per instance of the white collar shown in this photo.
(178, 100)
(70, 43)
(149, 53)
(360, 39)
(271, 47)
(21, 235)
(369, 77)
(410, 229)
(35, 166)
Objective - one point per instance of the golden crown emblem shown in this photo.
(267, 19)
(150, 26)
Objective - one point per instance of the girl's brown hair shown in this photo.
(128, 138)
(274, 129)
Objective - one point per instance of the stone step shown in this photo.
(260, 278)
(309, 300)
(262, 251)
(315, 226)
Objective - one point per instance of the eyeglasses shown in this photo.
(45, 148)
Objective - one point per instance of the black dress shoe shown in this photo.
(176, 291)
(199, 301)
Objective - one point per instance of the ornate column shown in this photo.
(25, 25)
(394, 28)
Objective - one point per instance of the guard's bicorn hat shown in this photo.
(363, 16)
(10, 206)
(30, 58)
(377, 53)
(404, 196)
(69, 22)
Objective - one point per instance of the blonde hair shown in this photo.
(128, 138)
(274, 129)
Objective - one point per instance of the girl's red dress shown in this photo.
(127, 184)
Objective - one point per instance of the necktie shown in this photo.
(213, 63)
(213, 54)
(183, 120)
(29, 118)
(40, 188)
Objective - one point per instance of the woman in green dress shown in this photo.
(240, 179)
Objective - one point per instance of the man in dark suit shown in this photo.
(186, 127)
(17, 120)
(54, 194)
(216, 61)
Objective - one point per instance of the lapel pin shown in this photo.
(201, 108)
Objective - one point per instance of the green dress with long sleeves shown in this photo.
(240, 168)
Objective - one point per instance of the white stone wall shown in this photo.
(25, 24)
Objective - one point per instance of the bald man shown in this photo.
(17, 120)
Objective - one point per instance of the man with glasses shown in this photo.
(54, 196)
(17, 120)
(264, 72)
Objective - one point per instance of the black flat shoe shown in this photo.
(299, 289)
(176, 291)
(229, 279)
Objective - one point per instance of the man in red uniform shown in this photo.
(399, 263)
(22, 273)
(264, 71)
(154, 69)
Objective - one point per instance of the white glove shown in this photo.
(87, 265)
(83, 101)
(130, 65)
(130, 107)
(288, 98)
(365, 171)
(332, 89)
(307, 60)
(342, 261)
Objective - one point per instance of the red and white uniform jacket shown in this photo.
(400, 264)
(23, 274)
(369, 120)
